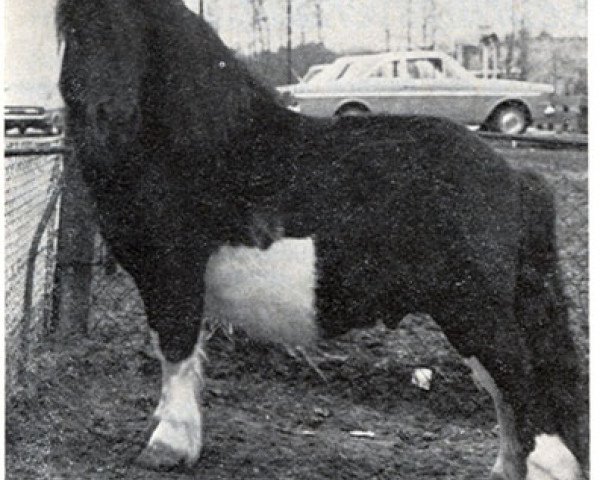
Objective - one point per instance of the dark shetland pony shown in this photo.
(185, 151)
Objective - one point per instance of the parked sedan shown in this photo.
(24, 117)
(420, 82)
(33, 108)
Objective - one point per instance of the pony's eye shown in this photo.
(222, 64)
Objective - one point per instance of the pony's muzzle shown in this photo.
(112, 123)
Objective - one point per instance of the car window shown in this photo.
(424, 68)
(343, 71)
(387, 70)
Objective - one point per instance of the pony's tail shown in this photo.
(542, 310)
(269, 294)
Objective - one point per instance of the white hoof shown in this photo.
(178, 436)
(552, 460)
(171, 444)
(161, 457)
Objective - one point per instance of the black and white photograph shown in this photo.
(296, 240)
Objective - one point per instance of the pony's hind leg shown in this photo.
(541, 311)
(178, 435)
(526, 453)
(509, 463)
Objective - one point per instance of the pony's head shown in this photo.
(151, 73)
(102, 70)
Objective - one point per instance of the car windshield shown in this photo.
(453, 69)
(312, 74)
(331, 72)
(357, 68)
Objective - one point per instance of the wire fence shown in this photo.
(32, 198)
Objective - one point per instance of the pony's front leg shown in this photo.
(172, 287)
(178, 435)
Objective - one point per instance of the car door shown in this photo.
(433, 89)
(382, 89)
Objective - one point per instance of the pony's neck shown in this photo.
(195, 87)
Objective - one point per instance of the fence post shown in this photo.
(75, 253)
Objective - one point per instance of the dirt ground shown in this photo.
(84, 408)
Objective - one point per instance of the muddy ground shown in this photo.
(83, 410)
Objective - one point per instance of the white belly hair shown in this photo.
(270, 293)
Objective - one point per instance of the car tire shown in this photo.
(353, 111)
(509, 119)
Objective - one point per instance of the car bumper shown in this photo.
(555, 112)
(49, 121)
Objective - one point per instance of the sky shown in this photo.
(31, 59)
(31, 49)
(360, 24)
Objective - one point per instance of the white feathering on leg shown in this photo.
(178, 412)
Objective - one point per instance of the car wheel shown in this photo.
(510, 119)
(353, 111)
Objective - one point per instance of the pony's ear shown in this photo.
(60, 21)
(64, 17)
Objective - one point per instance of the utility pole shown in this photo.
(433, 23)
(262, 20)
(513, 16)
(429, 26)
(523, 51)
(424, 25)
(257, 32)
(265, 19)
(513, 35)
(409, 25)
(201, 8)
(253, 24)
(319, 13)
(289, 40)
(554, 65)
